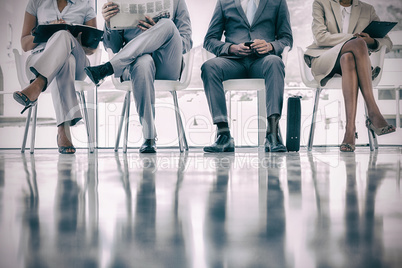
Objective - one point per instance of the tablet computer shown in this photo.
(379, 29)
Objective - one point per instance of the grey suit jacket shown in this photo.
(271, 23)
(116, 39)
(327, 25)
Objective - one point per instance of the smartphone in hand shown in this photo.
(248, 44)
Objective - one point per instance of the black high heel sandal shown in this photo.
(63, 149)
(22, 99)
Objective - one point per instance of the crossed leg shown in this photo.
(355, 67)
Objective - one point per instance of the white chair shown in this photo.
(160, 85)
(377, 59)
(250, 84)
(80, 87)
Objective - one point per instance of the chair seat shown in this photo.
(81, 86)
(169, 85)
(244, 84)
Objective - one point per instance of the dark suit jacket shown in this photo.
(271, 23)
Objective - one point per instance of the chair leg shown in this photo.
(33, 131)
(88, 126)
(371, 135)
(123, 113)
(180, 129)
(313, 120)
(27, 123)
(127, 122)
(229, 106)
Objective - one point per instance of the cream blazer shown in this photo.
(327, 26)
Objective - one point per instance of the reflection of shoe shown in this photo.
(21, 98)
(148, 146)
(274, 144)
(98, 73)
(379, 131)
(65, 149)
(224, 143)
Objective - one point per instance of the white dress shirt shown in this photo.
(244, 4)
(345, 12)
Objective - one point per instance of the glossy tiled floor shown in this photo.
(249, 209)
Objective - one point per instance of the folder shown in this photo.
(379, 29)
(90, 37)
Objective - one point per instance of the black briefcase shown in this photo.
(293, 124)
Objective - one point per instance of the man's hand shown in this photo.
(145, 25)
(109, 10)
(261, 46)
(240, 50)
(371, 43)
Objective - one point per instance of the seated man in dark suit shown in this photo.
(266, 23)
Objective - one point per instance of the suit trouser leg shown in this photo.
(142, 76)
(61, 63)
(272, 69)
(163, 40)
(213, 73)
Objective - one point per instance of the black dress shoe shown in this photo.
(98, 73)
(274, 144)
(148, 146)
(224, 143)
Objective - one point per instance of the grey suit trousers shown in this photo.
(214, 71)
(154, 54)
(61, 62)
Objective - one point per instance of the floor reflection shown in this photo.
(249, 209)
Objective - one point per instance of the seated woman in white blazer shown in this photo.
(341, 48)
(58, 62)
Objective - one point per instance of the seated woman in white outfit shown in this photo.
(58, 62)
(341, 48)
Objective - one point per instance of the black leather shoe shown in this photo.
(224, 143)
(148, 146)
(274, 144)
(98, 73)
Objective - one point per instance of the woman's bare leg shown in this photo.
(350, 91)
(64, 137)
(358, 48)
(35, 88)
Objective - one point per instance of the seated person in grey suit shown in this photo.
(266, 23)
(150, 51)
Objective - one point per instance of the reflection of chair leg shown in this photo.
(180, 129)
(86, 119)
(127, 122)
(371, 135)
(313, 120)
(33, 131)
(27, 123)
(123, 113)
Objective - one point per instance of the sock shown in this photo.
(272, 126)
(223, 128)
(108, 69)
